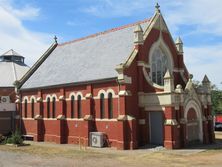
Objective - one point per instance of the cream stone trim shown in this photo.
(106, 120)
(131, 58)
(61, 98)
(33, 98)
(23, 118)
(60, 117)
(125, 118)
(88, 118)
(37, 117)
(39, 99)
(125, 93)
(49, 119)
(171, 122)
(17, 101)
(193, 104)
(143, 64)
(124, 79)
(80, 94)
(25, 98)
(47, 96)
(54, 96)
(88, 96)
(106, 93)
(150, 81)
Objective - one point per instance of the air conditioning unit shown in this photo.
(5, 99)
(97, 139)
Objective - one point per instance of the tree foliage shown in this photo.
(216, 97)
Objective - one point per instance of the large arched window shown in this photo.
(102, 106)
(25, 108)
(48, 107)
(32, 108)
(79, 114)
(72, 106)
(53, 107)
(110, 105)
(159, 66)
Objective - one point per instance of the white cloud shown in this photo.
(204, 14)
(14, 34)
(116, 8)
(205, 60)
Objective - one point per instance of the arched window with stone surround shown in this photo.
(102, 106)
(159, 66)
(32, 108)
(48, 107)
(25, 108)
(110, 105)
(79, 106)
(72, 106)
(53, 107)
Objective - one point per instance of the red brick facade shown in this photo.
(133, 104)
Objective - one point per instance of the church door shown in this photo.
(156, 127)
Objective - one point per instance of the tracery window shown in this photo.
(159, 66)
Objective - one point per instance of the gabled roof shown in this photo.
(87, 59)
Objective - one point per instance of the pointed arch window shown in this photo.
(32, 108)
(48, 107)
(25, 108)
(79, 106)
(102, 106)
(110, 105)
(53, 107)
(72, 106)
(159, 66)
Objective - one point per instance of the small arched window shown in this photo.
(53, 107)
(25, 108)
(159, 66)
(79, 114)
(48, 107)
(32, 108)
(72, 106)
(102, 106)
(110, 105)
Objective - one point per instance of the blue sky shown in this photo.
(28, 26)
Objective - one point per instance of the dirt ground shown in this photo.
(48, 154)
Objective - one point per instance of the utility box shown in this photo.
(97, 139)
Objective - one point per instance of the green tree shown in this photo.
(216, 97)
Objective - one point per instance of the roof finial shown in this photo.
(55, 38)
(157, 7)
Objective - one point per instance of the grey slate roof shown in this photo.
(10, 72)
(87, 59)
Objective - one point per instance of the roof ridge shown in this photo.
(106, 32)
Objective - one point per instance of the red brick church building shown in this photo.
(129, 83)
